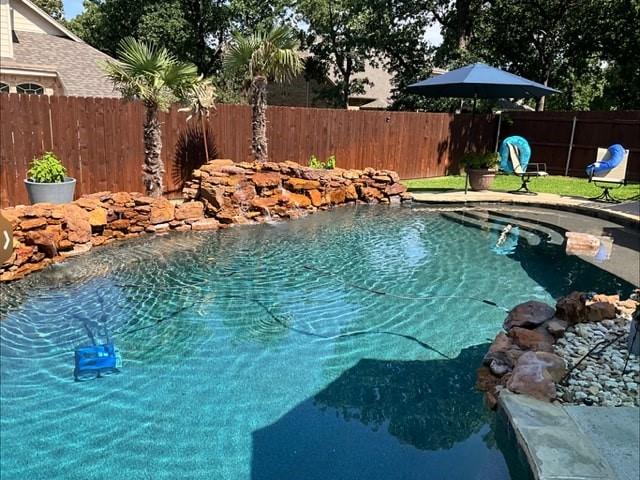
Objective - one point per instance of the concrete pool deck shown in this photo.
(575, 443)
(627, 213)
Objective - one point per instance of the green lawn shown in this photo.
(569, 186)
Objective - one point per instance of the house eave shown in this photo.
(51, 21)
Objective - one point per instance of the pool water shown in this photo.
(340, 346)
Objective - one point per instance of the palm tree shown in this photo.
(260, 57)
(158, 79)
(200, 100)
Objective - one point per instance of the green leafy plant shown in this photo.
(475, 160)
(329, 164)
(47, 169)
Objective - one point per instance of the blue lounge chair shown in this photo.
(515, 154)
(609, 171)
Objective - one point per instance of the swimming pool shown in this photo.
(340, 346)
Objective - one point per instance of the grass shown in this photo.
(568, 186)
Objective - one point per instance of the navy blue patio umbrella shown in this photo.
(480, 81)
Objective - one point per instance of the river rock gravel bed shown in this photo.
(601, 378)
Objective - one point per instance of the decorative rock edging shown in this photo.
(220, 193)
(258, 192)
(539, 354)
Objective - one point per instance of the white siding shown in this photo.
(26, 20)
(6, 43)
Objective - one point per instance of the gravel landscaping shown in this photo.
(601, 378)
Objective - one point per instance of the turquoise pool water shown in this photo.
(271, 352)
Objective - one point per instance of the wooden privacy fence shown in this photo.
(100, 140)
(567, 141)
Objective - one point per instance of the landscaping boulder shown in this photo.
(530, 340)
(529, 315)
(572, 308)
(532, 377)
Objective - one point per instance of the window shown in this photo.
(4, 88)
(30, 89)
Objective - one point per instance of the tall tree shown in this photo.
(401, 42)
(340, 35)
(612, 27)
(258, 58)
(53, 8)
(581, 47)
(458, 19)
(192, 30)
(156, 78)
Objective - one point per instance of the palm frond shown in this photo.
(149, 73)
(265, 53)
(200, 98)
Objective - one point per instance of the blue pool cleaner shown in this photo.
(616, 154)
(95, 360)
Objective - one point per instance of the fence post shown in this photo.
(573, 131)
(53, 148)
(498, 133)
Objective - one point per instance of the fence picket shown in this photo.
(100, 140)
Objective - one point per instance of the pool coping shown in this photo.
(548, 201)
(552, 441)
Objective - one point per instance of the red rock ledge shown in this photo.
(220, 193)
(522, 358)
(248, 192)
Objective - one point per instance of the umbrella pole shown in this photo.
(473, 113)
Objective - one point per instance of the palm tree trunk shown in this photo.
(153, 169)
(258, 92)
(204, 139)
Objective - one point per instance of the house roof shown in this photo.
(380, 91)
(75, 62)
(58, 26)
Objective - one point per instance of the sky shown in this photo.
(74, 7)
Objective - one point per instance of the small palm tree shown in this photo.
(200, 100)
(263, 56)
(158, 79)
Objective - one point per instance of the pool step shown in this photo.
(548, 234)
(464, 218)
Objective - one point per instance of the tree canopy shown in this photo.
(53, 8)
(585, 48)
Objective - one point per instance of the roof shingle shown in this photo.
(75, 62)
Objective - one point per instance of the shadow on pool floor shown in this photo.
(392, 420)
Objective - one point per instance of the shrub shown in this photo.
(47, 169)
(330, 164)
(480, 160)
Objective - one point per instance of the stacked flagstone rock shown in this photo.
(220, 193)
(45, 233)
(257, 192)
(531, 356)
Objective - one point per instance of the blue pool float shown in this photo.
(616, 154)
(94, 360)
(524, 153)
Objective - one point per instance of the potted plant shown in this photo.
(481, 169)
(47, 181)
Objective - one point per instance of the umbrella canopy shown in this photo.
(480, 81)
